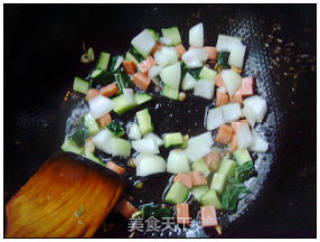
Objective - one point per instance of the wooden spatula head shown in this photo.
(67, 197)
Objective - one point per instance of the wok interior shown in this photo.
(52, 50)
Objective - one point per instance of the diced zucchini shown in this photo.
(207, 73)
(200, 165)
(70, 146)
(198, 191)
(142, 98)
(121, 147)
(103, 61)
(242, 156)
(169, 92)
(178, 193)
(80, 85)
(172, 139)
(144, 121)
(116, 62)
(218, 183)
(173, 34)
(102, 76)
(222, 61)
(91, 124)
(227, 167)
(154, 34)
(123, 81)
(244, 171)
(210, 198)
(131, 57)
(121, 104)
(92, 157)
(185, 139)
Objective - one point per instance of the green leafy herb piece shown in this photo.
(123, 81)
(79, 136)
(114, 60)
(156, 211)
(244, 171)
(231, 194)
(116, 128)
(222, 60)
(193, 72)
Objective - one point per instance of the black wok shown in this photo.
(42, 47)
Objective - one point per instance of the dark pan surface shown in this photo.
(42, 49)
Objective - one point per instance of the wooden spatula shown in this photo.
(67, 197)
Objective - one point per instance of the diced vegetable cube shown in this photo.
(210, 198)
(177, 193)
(144, 121)
(200, 165)
(218, 182)
(227, 167)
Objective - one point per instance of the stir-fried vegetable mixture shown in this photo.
(209, 167)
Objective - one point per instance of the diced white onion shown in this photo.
(232, 80)
(244, 136)
(166, 56)
(155, 137)
(225, 42)
(165, 41)
(99, 106)
(150, 164)
(196, 35)
(171, 75)
(259, 144)
(199, 146)
(188, 82)
(237, 53)
(204, 88)
(195, 57)
(154, 71)
(177, 162)
(146, 145)
(249, 115)
(231, 112)
(102, 141)
(214, 118)
(143, 43)
(134, 131)
(258, 106)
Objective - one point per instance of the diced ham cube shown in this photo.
(213, 160)
(129, 66)
(208, 216)
(198, 179)
(225, 134)
(212, 52)
(183, 216)
(184, 179)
